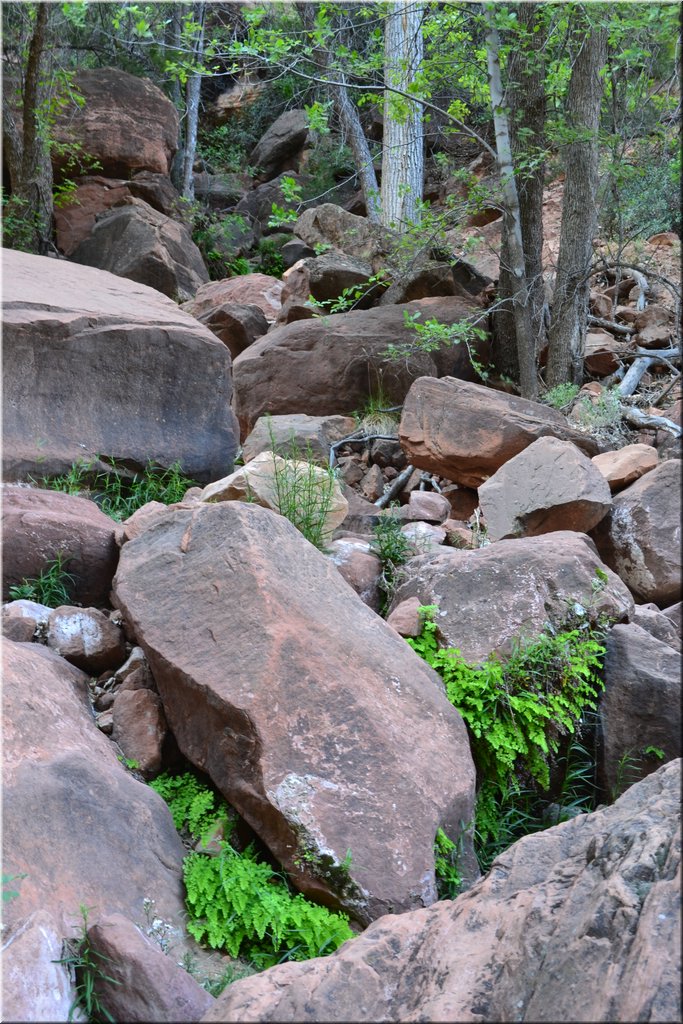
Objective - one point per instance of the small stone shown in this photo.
(105, 721)
(428, 506)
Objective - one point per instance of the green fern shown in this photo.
(192, 804)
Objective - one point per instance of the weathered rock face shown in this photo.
(308, 434)
(139, 726)
(86, 638)
(465, 431)
(491, 595)
(237, 325)
(97, 365)
(146, 985)
(326, 277)
(37, 525)
(135, 241)
(577, 923)
(329, 224)
(549, 486)
(297, 700)
(82, 829)
(260, 290)
(641, 537)
(641, 706)
(626, 465)
(333, 364)
(126, 122)
(359, 566)
(278, 148)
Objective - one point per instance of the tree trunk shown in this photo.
(521, 305)
(192, 92)
(349, 120)
(526, 98)
(403, 152)
(28, 152)
(567, 339)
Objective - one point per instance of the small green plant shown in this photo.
(88, 968)
(270, 258)
(433, 336)
(561, 397)
(378, 416)
(10, 894)
(446, 856)
(291, 191)
(304, 492)
(237, 902)
(393, 549)
(117, 496)
(352, 296)
(130, 763)
(53, 587)
(18, 225)
(633, 766)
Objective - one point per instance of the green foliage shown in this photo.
(393, 549)
(291, 190)
(192, 804)
(433, 336)
(304, 492)
(18, 224)
(517, 709)
(350, 297)
(118, 496)
(10, 894)
(237, 902)
(595, 413)
(561, 396)
(52, 587)
(89, 968)
(645, 197)
(221, 239)
(633, 765)
(270, 258)
(446, 856)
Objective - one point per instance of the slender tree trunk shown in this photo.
(403, 151)
(27, 153)
(521, 305)
(192, 93)
(526, 93)
(567, 339)
(349, 120)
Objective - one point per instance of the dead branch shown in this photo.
(611, 326)
(638, 418)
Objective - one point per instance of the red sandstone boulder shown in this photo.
(626, 465)
(312, 436)
(86, 638)
(38, 525)
(579, 922)
(297, 700)
(139, 725)
(95, 365)
(126, 123)
(333, 226)
(640, 539)
(246, 290)
(132, 240)
(237, 325)
(331, 364)
(465, 431)
(80, 827)
(640, 710)
(279, 147)
(489, 596)
(325, 277)
(549, 486)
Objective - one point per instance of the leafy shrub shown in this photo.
(516, 710)
(560, 396)
(53, 587)
(222, 240)
(117, 496)
(433, 336)
(237, 902)
(304, 493)
(393, 549)
(270, 258)
(646, 197)
(18, 225)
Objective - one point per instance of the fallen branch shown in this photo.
(669, 387)
(638, 418)
(358, 437)
(398, 484)
(611, 325)
(635, 373)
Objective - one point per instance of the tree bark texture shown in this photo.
(403, 152)
(567, 338)
(526, 98)
(512, 226)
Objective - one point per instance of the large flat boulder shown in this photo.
(97, 365)
(39, 525)
(315, 720)
(491, 595)
(641, 537)
(549, 486)
(134, 240)
(465, 431)
(126, 123)
(279, 147)
(581, 922)
(81, 828)
(333, 364)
